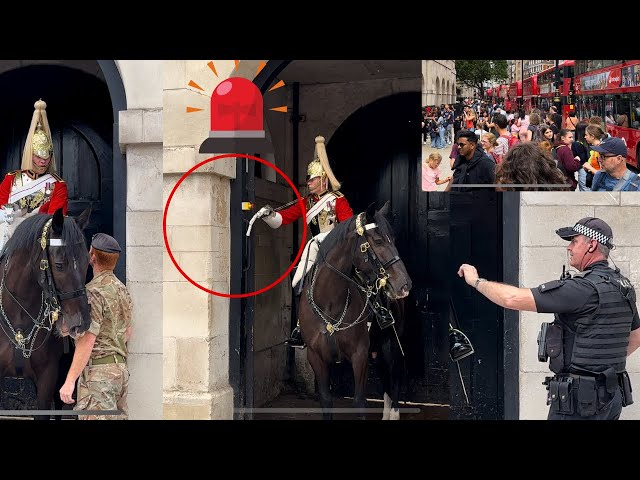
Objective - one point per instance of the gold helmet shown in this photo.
(41, 144)
(39, 140)
(319, 166)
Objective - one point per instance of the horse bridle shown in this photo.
(370, 254)
(50, 306)
(371, 286)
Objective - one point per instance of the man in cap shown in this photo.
(35, 188)
(595, 328)
(614, 176)
(325, 206)
(101, 353)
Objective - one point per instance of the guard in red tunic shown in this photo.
(35, 188)
(326, 207)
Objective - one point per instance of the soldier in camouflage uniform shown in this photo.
(101, 352)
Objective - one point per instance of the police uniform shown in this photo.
(24, 192)
(587, 342)
(104, 382)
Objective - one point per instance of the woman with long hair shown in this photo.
(527, 164)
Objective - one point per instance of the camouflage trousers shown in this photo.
(103, 387)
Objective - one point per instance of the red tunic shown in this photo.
(58, 196)
(294, 212)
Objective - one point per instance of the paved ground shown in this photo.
(291, 405)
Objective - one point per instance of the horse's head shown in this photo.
(376, 256)
(67, 257)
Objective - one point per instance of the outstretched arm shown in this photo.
(506, 296)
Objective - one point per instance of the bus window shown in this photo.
(622, 110)
(635, 112)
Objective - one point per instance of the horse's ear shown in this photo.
(58, 221)
(385, 210)
(83, 219)
(371, 212)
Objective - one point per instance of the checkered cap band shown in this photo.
(593, 234)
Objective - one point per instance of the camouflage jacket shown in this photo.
(111, 310)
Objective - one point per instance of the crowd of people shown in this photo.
(513, 150)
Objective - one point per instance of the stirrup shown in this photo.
(295, 340)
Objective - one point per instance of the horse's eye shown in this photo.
(378, 241)
(59, 266)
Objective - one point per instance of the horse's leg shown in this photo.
(321, 372)
(360, 365)
(396, 370)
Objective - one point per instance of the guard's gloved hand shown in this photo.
(6, 214)
(266, 211)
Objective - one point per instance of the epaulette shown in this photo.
(15, 172)
(338, 194)
(57, 177)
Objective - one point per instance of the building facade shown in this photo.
(439, 82)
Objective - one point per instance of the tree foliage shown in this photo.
(474, 73)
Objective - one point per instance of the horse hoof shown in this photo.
(395, 414)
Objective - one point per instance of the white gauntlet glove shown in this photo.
(266, 211)
(271, 218)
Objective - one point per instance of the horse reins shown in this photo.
(372, 287)
(51, 299)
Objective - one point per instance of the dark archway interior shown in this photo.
(375, 154)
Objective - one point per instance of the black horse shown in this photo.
(358, 276)
(43, 269)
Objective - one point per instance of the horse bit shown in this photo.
(49, 306)
(372, 287)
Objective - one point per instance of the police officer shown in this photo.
(326, 207)
(595, 328)
(105, 380)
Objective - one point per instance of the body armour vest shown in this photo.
(600, 339)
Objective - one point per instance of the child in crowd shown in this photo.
(431, 173)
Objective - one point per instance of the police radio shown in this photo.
(542, 342)
(565, 275)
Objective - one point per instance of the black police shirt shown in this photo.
(574, 295)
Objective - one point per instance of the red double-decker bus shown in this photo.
(514, 97)
(529, 92)
(555, 88)
(611, 88)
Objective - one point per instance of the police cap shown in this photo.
(591, 227)
(105, 243)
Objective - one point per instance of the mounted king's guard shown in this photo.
(35, 188)
(326, 207)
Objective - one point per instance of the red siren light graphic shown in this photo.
(236, 119)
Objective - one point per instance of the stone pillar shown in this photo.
(196, 323)
(140, 136)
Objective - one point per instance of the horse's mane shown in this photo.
(28, 233)
(340, 232)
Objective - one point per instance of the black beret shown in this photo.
(105, 243)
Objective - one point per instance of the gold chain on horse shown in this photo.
(331, 324)
(17, 337)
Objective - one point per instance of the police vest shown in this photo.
(600, 339)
